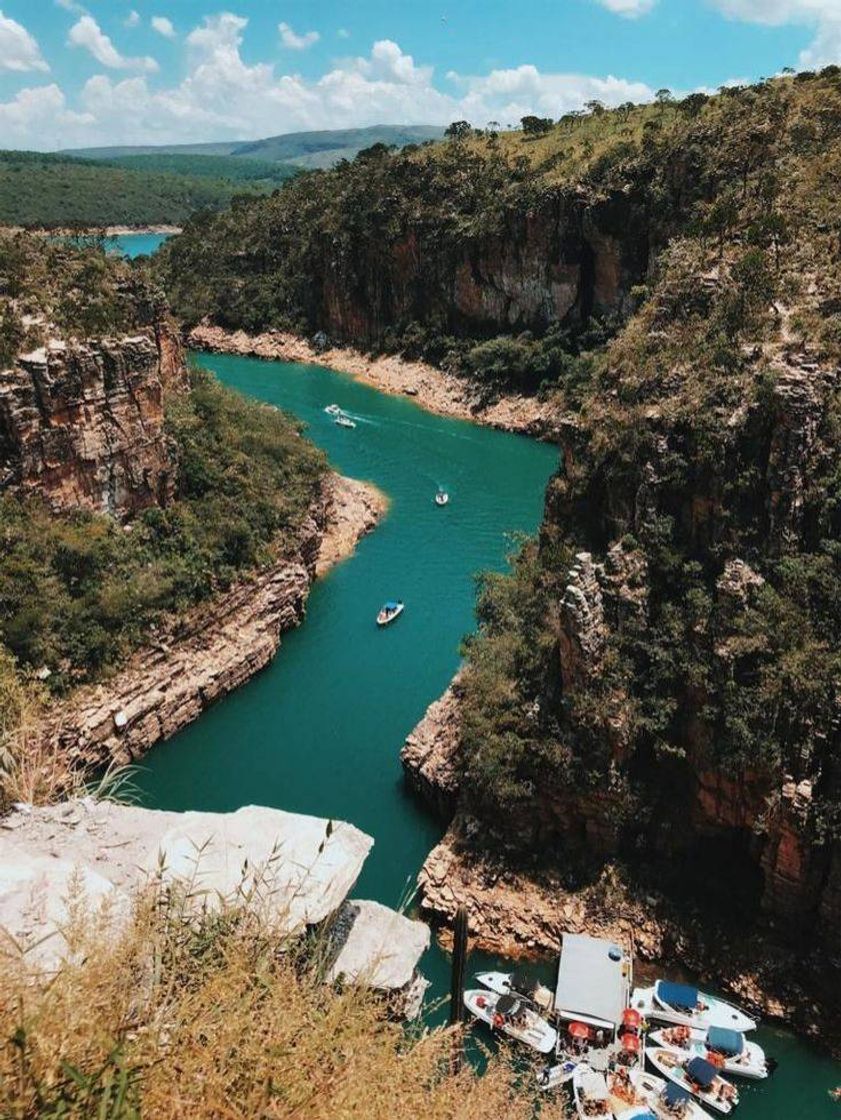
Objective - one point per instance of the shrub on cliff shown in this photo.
(77, 592)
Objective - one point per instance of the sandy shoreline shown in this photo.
(433, 389)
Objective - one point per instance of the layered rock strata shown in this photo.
(82, 425)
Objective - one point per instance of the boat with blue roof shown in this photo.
(728, 1049)
(698, 1077)
(390, 612)
(684, 1005)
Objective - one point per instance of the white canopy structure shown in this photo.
(594, 981)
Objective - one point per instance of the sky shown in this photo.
(107, 72)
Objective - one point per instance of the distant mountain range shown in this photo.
(301, 149)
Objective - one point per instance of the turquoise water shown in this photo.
(320, 730)
(136, 244)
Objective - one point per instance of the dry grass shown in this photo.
(213, 1019)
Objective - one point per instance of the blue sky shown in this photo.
(132, 71)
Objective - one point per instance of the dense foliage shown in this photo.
(77, 592)
(50, 192)
(257, 171)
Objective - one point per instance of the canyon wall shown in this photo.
(82, 424)
(558, 262)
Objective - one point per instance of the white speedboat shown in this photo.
(659, 1099)
(552, 1077)
(685, 1006)
(727, 1049)
(512, 1016)
(698, 1077)
(441, 498)
(519, 983)
(344, 421)
(589, 1090)
(389, 612)
(333, 410)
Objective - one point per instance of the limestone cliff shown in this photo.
(82, 425)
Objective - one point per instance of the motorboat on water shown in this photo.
(684, 1005)
(441, 498)
(517, 983)
(591, 1095)
(698, 1077)
(513, 1016)
(657, 1099)
(344, 421)
(552, 1077)
(729, 1050)
(333, 410)
(389, 612)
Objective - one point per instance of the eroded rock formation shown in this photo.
(82, 425)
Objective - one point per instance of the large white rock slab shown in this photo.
(43, 900)
(298, 868)
(379, 947)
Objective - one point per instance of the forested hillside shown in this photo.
(45, 191)
(663, 665)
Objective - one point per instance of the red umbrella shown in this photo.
(579, 1030)
(631, 1043)
(631, 1017)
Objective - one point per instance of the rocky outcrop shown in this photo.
(194, 660)
(82, 425)
(88, 859)
(433, 389)
(430, 751)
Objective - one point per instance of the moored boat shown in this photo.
(552, 1077)
(684, 1005)
(729, 1050)
(513, 1016)
(658, 1099)
(389, 612)
(590, 1092)
(698, 1077)
(519, 983)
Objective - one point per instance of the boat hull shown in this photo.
(750, 1063)
(669, 1064)
(387, 619)
(605, 1113)
(536, 1033)
(717, 1012)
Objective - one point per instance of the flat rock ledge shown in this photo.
(433, 389)
(93, 857)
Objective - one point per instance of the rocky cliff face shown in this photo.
(559, 262)
(82, 425)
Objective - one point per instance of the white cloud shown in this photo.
(71, 6)
(224, 97)
(295, 42)
(631, 9)
(18, 50)
(40, 114)
(163, 26)
(824, 16)
(88, 34)
(132, 19)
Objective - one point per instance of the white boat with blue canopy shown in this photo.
(658, 1099)
(723, 1047)
(696, 1076)
(389, 612)
(684, 1005)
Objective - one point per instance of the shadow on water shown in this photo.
(320, 730)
